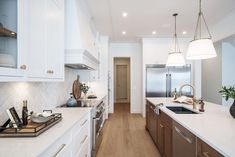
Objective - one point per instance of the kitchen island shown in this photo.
(215, 126)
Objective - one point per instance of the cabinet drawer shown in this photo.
(82, 123)
(81, 134)
(204, 150)
(60, 147)
(84, 152)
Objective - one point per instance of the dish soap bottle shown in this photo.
(174, 94)
(25, 113)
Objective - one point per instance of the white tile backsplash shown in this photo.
(40, 95)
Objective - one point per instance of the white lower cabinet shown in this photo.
(59, 147)
(75, 143)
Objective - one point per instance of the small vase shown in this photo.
(232, 109)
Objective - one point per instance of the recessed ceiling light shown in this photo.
(124, 32)
(124, 14)
(154, 32)
(184, 32)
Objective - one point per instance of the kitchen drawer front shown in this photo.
(84, 152)
(204, 150)
(80, 134)
(60, 148)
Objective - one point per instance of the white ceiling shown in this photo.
(144, 16)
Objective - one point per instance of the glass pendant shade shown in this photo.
(175, 59)
(201, 49)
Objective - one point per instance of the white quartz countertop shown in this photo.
(33, 146)
(215, 126)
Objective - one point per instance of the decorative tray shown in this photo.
(32, 129)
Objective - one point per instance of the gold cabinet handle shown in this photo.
(161, 126)
(84, 123)
(59, 150)
(84, 139)
(50, 71)
(206, 154)
(23, 67)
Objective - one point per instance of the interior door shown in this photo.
(121, 82)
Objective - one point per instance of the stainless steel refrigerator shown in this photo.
(161, 81)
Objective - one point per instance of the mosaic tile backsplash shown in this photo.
(40, 95)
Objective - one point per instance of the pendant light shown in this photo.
(175, 57)
(201, 48)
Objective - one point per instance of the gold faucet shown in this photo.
(194, 98)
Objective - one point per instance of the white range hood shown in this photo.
(80, 59)
(80, 52)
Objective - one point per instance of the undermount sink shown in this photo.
(180, 110)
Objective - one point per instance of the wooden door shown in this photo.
(121, 82)
(167, 141)
(160, 136)
(153, 124)
(147, 116)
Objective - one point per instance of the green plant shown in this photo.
(84, 88)
(228, 92)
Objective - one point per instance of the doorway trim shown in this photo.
(112, 82)
(118, 62)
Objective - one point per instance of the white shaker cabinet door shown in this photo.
(55, 39)
(37, 38)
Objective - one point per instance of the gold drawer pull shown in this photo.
(84, 123)
(161, 126)
(84, 139)
(50, 71)
(61, 148)
(206, 154)
(23, 67)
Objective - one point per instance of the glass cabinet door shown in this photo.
(8, 33)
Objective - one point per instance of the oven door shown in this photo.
(97, 131)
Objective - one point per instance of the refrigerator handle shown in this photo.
(169, 90)
(166, 85)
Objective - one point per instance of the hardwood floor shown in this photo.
(125, 135)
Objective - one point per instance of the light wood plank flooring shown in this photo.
(125, 135)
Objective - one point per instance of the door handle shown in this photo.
(183, 135)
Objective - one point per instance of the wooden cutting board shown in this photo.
(76, 88)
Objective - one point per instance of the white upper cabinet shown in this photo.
(46, 39)
(12, 44)
(36, 51)
(55, 39)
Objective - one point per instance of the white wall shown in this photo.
(155, 51)
(133, 51)
(228, 65)
(212, 77)
(224, 28)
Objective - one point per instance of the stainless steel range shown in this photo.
(97, 121)
(97, 128)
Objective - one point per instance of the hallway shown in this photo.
(125, 135)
